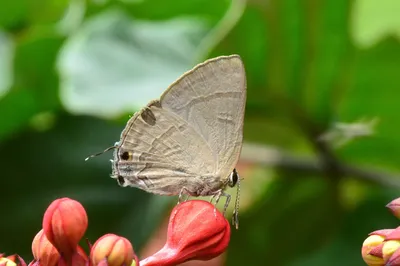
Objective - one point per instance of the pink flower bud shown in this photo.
(64, 224)
(394, 207)
(196, 231)
(112, 250)
(44, 251)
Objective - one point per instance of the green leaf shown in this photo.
(13, 13)
(17, 108)
(6, 63)
(373, 21)
(367, 216)
(115, 64)
(158, 10)
(35, 82)
(34, 67)
(371, 96)
(20, 14)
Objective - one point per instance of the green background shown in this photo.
(321, 157)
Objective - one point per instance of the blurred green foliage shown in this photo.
(318, 73)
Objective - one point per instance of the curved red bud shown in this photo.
(64, 224)
(196, 231)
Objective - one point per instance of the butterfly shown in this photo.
(188, 141)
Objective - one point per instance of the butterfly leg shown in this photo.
(228, 199)
(187, 197)
(217, 197)
(212, 198)
(181, 193)
(235, 219)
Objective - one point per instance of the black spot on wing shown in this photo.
(125, 156)
(121, 180)
(148, 116)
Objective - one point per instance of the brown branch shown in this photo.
(273, 157)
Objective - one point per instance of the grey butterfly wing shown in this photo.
(160, 153)
(191, 137)
(211, 99)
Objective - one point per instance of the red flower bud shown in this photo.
(64, 224)
(112, 250)
(44, 251)
(394, 207)
(196, 231)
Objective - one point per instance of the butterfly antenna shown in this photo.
(235, 217)
(100, 153)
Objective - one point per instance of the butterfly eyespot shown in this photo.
(121, 180)
(126, 155)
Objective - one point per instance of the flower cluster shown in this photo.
(196, 231)
(382, 247)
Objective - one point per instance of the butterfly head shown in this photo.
(233, 178)
(118, 168)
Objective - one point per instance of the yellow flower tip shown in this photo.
(394, 260)
(8, 262)
(371, 250)
(389, 247)
(373, 241)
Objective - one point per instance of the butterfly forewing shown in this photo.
(164, 156)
